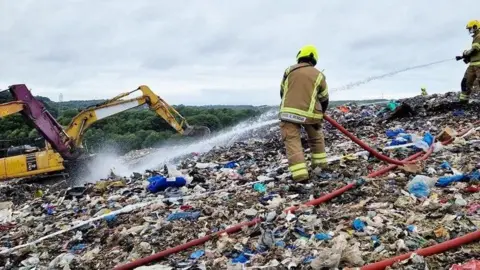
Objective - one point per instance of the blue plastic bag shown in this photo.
(323, 236)
(197, 254)
(231, 165)
(160, 183)
(358, 225)
(447, 180)
(392, 133)
(428, 138)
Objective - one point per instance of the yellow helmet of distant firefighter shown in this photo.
(473, 26)
(308, 51)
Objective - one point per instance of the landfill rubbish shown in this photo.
(108, 223)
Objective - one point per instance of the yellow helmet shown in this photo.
(473, 26)
(308, 51)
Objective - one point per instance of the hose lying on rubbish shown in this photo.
(233, 229)
(317, 201)
(416, 155)
(366, 146)
(428, 251)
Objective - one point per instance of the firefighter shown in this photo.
(471, 56)
(424, 91)
(304, 95)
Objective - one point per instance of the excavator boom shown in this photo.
(87, 117)
(63, 150)
(9, 108)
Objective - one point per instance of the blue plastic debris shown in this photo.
(231, 165)
(376, 241)
(447, 180)
(301, 232)
(308, 259)
(242, 258)
(428, 138)
(411, 228)
(475, 175)
(398, 141)
(419, 189)
(458, 112)
(77, 248)
(445, 165)
(260, 187)
(110, 218)
(184, 215)
(280, 243)
(358, 225)
(160, 183)
(323, 236)
(392, 133)
(197, 254)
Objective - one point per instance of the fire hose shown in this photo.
(379, 265)
(416, 155)
(428, 251)
(367, 147)
(233, 229)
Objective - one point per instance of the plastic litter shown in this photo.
(159, 183)
(420, 186)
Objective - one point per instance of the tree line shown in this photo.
(126, 131)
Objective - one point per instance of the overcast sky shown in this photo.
(228, 52)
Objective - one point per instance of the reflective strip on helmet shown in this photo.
(477, 63)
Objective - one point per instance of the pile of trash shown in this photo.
(118, 220)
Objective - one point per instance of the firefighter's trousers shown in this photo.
(296, 160)
(471, 74)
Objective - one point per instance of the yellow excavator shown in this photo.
(64, 149)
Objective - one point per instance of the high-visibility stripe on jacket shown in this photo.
(302, 89)
(475, 56)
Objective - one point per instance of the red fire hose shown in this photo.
(379, 265)
(435, 249)
(324, 198)
(416, 155)
(232, 229)
(366, 146)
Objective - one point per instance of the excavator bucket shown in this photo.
(196, 131)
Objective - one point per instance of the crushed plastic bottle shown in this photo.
(420, 186)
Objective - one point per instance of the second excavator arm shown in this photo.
(9, 108)
(87, 117)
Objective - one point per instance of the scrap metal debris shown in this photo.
(112, 222)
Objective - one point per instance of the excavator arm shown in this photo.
(9, 108)
(87, 117)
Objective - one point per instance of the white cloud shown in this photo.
(227, 52)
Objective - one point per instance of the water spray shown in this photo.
(226, 138)
(378, 77)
